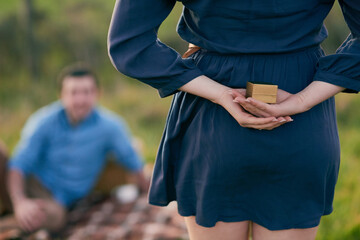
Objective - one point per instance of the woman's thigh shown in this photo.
(222, 230)
(261, 233)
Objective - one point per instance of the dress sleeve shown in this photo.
(343, 67)
(136, 51)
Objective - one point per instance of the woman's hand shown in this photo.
(207, 88)
(284, 106)
(290, 104)
(242, 117)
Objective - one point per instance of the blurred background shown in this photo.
(40, 37)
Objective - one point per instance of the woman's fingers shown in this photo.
(259, 108)
(266, 126)
(249, 121)
(246, 119)
(254, 107)
(269, 126)
(268, 123)
(240, 92)
(288, 119)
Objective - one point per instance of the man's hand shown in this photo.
(142, 182)
(30, 214)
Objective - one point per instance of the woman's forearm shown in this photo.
(220, 94)
(312, 95)
(316, 93)
(302, 101)
(205, 87)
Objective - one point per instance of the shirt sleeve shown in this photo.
(30, 148)
(343, 67)
(135, 50)
(122, 149)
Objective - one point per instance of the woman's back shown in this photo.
(254, 26)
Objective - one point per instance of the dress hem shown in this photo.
(315, 221)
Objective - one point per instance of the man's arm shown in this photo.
(126, 155)
(15, 185)
(28, 212)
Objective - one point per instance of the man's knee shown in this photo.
(56, 215)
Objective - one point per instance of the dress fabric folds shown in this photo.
(220, 171)
(215, 169)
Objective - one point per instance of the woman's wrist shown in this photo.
(222, 94)
(316, 93)
(302, 103)
(207, 88)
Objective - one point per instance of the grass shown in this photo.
(344, 222)
(145, 112)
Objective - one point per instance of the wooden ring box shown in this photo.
(262, 91)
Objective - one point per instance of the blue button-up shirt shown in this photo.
(68, 159)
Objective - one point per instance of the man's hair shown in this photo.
(76, 70)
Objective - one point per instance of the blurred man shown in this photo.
(62, 151)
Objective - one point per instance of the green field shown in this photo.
(67, 31)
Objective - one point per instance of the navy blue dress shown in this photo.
(215, 169)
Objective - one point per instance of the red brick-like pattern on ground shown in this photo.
(106, 219)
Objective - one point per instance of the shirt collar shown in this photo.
(90, 119)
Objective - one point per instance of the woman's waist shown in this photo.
(193, 48)
(291, 71)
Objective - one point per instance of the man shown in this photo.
(62, 151)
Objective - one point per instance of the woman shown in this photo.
(222, 171)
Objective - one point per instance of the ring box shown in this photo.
(262, 91)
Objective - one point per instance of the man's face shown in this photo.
(79, 96)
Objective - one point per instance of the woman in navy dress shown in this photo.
(223, 172)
